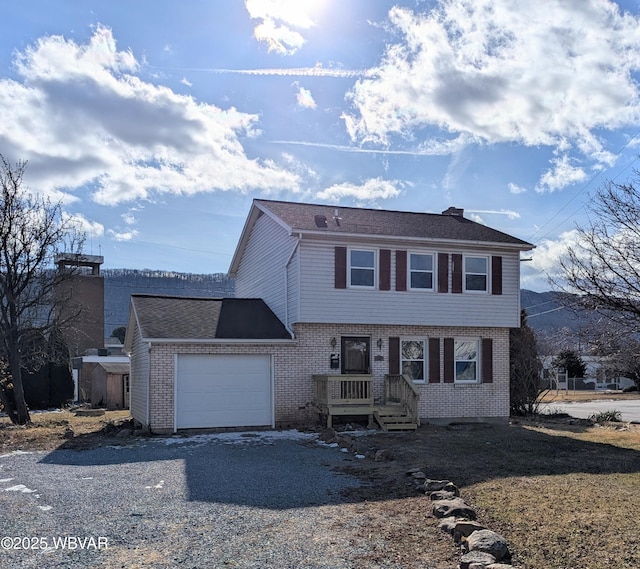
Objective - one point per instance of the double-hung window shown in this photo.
(362, 268)
(420, 271)
(467, 360)
(412, 358)
(476, 274)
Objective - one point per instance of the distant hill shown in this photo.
(546, 314)
(120, 284)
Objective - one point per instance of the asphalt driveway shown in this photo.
(239, 500)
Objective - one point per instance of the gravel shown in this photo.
(237, 500)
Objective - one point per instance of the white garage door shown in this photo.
(223, 391)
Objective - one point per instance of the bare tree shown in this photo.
(32, 232)
(603, 268)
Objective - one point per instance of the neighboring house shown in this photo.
(600, 374)
(377, 307)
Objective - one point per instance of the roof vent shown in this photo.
(454, 211)
(337, 218)
(321, 221)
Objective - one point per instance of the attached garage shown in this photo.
(223, 390)
(201, 363)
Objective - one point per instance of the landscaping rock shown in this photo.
(456, 507)
(442, 495)
(499, 566)
(419, 475)
(413, 470)
(448, 524)
(476, 560)
(435, 485)
(488, 541)
(463, 529)
(383, 454)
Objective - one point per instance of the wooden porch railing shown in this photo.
(399, 390)
(343, 390)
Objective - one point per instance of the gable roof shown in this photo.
(332, 220)
(205, 319)
(362, 221)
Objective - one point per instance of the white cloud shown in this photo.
(515, 189)
(128, 218)
(562, 174)
(372, 190)
(508, 212)
(550, 73)
(305, 98)
(278, 21)
(186, 82)
(123, 235)
(129, 138)
(84, 225)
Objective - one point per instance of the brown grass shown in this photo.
(562, 396)
(564, 495)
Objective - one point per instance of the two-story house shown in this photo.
(340, 311)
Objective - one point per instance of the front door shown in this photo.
(355, 354)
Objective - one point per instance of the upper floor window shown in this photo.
(362, 268)
(412, 358)
(466, 361)
(421, 271)
(476, 273)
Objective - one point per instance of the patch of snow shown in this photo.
(159, 485)
(360, 456)
(45, 508)
(20, 488)
(14, 453)
(240, 438)
(6, 480)
(344, 450)
(328, 445)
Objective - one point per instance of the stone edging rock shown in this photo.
(482, 548)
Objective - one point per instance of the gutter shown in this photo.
(286, 285)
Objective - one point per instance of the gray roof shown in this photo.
(379, 222)
(184, 318)
(116, 368)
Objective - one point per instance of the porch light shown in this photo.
(379, 343)
(333, 343)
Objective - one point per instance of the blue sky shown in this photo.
(157, 122)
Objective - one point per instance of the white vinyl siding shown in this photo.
(320, 301)
(139, 379)
(261, 273)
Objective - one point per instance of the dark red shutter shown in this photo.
(394, 355)
(434, 360)
(341, 267)
(487, 360)
(401, 270)
(456, 274)
(443, 272)
(449, 361)
(496, 275)
(385, 269)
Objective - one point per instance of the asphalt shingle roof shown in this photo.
(183, 318)
(351, 220)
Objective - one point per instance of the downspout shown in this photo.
(286, 285)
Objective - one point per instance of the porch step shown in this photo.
(391, 419)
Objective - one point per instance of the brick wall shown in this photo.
(294, 365)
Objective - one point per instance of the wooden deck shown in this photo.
(353, 395)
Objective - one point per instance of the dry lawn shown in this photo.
(565, 494)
